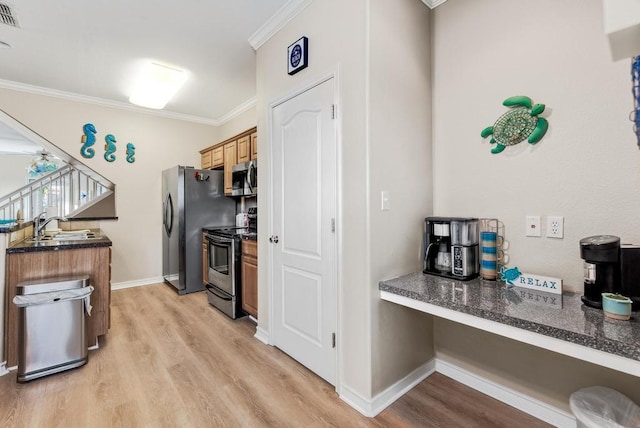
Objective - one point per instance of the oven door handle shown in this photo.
(218, 240)
(213, 290)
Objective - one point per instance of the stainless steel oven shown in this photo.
(223, 271)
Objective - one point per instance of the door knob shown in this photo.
(273, 239)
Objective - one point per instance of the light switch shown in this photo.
(385, 197)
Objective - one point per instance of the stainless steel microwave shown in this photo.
(245, 178)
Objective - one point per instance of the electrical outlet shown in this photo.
(533, 225)
(555, 227)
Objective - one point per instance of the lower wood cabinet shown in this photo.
(36, 265)
(250, 277)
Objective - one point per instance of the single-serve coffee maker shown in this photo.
(451, 247)
(610, 267)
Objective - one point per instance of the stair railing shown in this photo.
(67, 188)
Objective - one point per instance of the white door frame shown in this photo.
(334, 74)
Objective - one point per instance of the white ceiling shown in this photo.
(93, 48)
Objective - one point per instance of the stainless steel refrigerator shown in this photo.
(191, 199)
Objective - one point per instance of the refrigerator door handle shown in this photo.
(168, 220)
(164, 214)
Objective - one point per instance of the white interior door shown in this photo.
(303, 174)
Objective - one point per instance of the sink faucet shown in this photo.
(36, 224)
(39, 224)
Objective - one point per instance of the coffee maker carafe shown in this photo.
(451, 247)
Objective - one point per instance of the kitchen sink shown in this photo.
(63, 237)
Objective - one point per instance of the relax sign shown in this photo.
(537, 282)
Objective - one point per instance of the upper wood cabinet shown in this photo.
(244, 149)
(206, 160)
(254, 146)
(230, 159)
(241, 148)
(217, 157)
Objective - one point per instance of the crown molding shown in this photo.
(279, 19)
(250, 103)
(433, 3)
(70, 96)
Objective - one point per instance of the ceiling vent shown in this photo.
(7, 16)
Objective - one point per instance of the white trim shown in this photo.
(70, 96)
(136, 283)
(601, 358)
(513, 398)
(532, 406)
(250, 103)
(286, 13)
(94, 346)
(433, 3)
(262, 335)
(384, 399)
(3, 368)
(357, 401)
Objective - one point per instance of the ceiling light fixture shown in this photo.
(4, 45)
(156, 85)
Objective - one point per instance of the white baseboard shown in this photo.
(384, 399)
(520, 401)
(136, 283)
(261, 335)
(3, 368)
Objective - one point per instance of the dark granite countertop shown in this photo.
(26, 246)
(560, 317)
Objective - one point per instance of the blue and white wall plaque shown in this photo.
(298, 55)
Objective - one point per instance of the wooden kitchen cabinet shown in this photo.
(217, 157)
(230, 159)
(244, 149)
(250, 277)
(254, 146)
(35, 265)
(205, 160)
(240, 148)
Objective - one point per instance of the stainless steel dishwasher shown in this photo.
(52, 325)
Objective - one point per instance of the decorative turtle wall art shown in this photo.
(520, 123)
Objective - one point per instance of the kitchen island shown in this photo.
(27, 260)
(559, 323)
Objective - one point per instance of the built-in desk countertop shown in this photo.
(559, 323)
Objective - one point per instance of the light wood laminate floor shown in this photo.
(172, 360)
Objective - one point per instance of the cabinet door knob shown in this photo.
(273, 239)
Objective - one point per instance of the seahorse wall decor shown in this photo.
(109, 148)
(131, 152)
(89, 139)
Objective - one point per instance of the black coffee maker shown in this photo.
(610, 268)
(451, 247)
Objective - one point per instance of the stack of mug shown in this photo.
(489, 258)
(491, 243)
